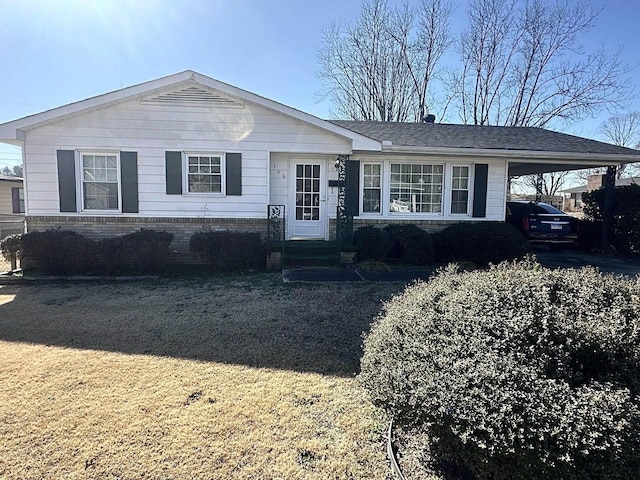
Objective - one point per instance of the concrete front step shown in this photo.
(310, 253)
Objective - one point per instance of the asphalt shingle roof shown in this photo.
(483, 137)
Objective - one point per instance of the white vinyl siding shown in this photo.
(153, 129)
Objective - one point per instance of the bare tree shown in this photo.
(423, 37)
(550, 185)
(381, 66)
(622, 130)
(523, 65)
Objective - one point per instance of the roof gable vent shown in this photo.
(193, 96)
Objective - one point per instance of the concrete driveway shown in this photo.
(576, 259)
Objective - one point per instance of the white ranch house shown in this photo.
(187, 152)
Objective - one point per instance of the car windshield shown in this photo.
(528, 208)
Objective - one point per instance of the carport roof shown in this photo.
(529, 149)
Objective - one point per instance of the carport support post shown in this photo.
(539, 184)
(607, 214)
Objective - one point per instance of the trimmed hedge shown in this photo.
(480, 243)
(371, 243)
(60, 252)
(516, 372)
(226, 251)
(144, 251)
(411, 244)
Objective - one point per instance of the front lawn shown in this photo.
(236, 377)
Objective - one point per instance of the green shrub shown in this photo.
(516, 372)
(11, 247)
(59, 252)
(371, 243)
(626, 215)
(226, 251)
(410, 244)
(481, 243)
(144, 251)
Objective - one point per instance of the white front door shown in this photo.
(308, 215)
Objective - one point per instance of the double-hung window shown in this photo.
(460, 190)
(100, 188)
(371, 188)
(416, 188)
(204, 173)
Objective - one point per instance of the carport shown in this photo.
(585, 154)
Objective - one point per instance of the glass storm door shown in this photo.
(308, 216)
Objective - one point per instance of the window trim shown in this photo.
(443, 200)
(470, 176)
(223, 172)
(362, 188)
(80, 180)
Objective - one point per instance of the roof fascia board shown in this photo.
(530, 155)
(89, 104)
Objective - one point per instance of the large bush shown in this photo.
(226, 250)
(410, 244)
(481, 243)
(59, 252)
(371, 243)
(516, 372)
(142, 251)
(626, 215)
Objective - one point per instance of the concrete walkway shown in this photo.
(350, 275)
(577, 259)
(565, 259)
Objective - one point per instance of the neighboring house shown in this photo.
(11, 209)
(573, 202)
(11, 196)
(187, 152)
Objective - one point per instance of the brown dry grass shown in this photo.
(227, 378)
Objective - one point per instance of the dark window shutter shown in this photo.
(15, 200)
(233, 170)
(352, 185)
(480, 190)
(129, 179)
(173, 172)
(67, 180)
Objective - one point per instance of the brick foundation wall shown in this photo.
(182, 228)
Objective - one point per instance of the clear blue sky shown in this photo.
(55, 52)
